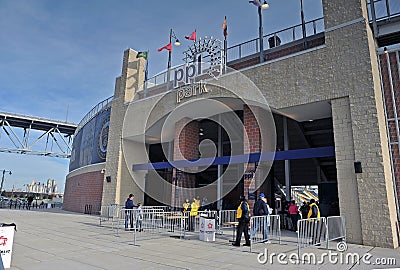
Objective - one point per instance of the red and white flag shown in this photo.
(167, 47)
(192, 36)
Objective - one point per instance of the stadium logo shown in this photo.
(204, 57)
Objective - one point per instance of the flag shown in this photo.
(225, 28)
(192, 36)
(142, 54)
(256, 3)
(167, 47)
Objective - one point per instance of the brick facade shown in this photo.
(186, 146)
(83, 189)
(391, 92)
(251, 144)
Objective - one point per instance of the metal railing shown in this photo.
(264, 228)
(161, 78)
(311, 232)
(336, 229)
(160, 208)
(226, 219)
(101, 106)
(275, 39)
(109, 212)
(153, 222)
(384, 9)
(247, 48)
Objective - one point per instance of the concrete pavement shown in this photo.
(55, 239)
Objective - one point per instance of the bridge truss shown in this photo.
(22, 134)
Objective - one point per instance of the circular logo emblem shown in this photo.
(103, 138)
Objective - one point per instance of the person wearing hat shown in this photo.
(243, 216)
(261, 208)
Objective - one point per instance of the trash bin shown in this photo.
(274, 41)
(6, 243)
(207, 229)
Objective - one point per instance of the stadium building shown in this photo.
(318, 109)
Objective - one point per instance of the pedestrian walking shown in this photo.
(243, 216)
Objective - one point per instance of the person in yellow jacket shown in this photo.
(197, 200)
(243, 216)
(314, 213)
(194, 208)
(186, 205)
(314, 210)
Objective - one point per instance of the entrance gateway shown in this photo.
(320, 95)
(199, 152)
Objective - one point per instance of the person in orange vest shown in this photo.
(243, 216)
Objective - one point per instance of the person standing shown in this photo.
(304, 210)
(293, 212)
(139, 217)
(129, 205)
(261, 209)
(314, 210)
(186, 206)
(316, 231)
(194, 208)
(186, 209)
(243, 216)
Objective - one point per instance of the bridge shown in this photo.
(30, 135)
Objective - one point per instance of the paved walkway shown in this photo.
(54, 239)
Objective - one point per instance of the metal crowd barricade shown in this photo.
(140, 219)
(226, 219)
(264, 228)
(274, 232)
(159, 208)
(336, 229)
(311, 232)
(258, 230)
(109, 212)
(153, 221)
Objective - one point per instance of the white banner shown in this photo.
(6, 243)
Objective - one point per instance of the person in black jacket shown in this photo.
(261, 209)
(243, 216)
(129, 205)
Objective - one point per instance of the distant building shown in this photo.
(43, 188)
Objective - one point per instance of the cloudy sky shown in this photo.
(60, 58)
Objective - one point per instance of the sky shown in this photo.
(58, 59)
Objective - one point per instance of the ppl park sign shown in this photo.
(204, 60)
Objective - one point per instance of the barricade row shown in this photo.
(311, 232)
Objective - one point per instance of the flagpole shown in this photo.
(225, 58)
(169, 60)
(225, 33)
(146, 72)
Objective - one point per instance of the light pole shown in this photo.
(2, 180)
(177, 43)
(260, 29)
(303, 23)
